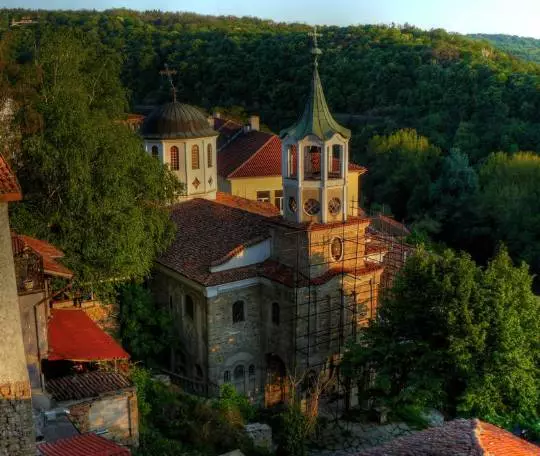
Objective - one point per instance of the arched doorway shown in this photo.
(276, 384)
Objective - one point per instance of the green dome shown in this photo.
(176, 121)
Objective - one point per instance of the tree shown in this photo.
(509, 203)
(402, 166)
(454, 336)
(88, 185)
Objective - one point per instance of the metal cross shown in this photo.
(314, 35)
(169, 74)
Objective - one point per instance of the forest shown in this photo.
(448, 127)
(522, 47)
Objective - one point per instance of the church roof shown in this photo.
(466, 437)
(256, 154)
(176, 120)
(316, 119)
(9, 187)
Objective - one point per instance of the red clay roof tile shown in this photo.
(9, 187)
(82, 445)
(87, 385)
(74, 336)
(457, 437)
(48, 252)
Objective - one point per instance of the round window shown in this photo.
(334, 206)
(312, 206)
(292, 204)
(336, 249)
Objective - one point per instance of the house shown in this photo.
(256, 294)
(458, 437)
(87, 444)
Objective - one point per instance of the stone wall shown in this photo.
(117, 413)
(17, 436)
(171, 293)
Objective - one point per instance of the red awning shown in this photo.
(82, 445)
(74, 336)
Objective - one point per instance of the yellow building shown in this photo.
(250, 165)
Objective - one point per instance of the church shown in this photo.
(256, 292)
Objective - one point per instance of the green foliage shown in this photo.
(295, 431)
(88, 185)
(402, 167)
(174, 423)
(522, 47)
(456, 337)
(234, 404)
(145, 329)
(509, 201)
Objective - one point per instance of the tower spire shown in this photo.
(167, 72)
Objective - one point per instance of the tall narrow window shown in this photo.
(278, 199)
(227, 376)
(209, 155)
(238, 312)
(155, 152)
(195, 157)
(190, 308)
(175, 158)
(275, 313)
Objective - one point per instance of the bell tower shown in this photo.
(314, 159)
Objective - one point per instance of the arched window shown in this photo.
(239, 372)
(155, 152)
(175, 158)
(198, 371)
(227, 376)
(209, 155)
(195, 157)
(275, 313)
(238, 312)
(189, 307)
(251, 370)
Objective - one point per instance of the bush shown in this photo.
(234, 405)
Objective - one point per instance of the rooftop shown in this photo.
(176, 121)
(48, 252)
(87, 385)
(82, 445)
(9, 187)
(74, 336)
(256, 154)
(458, 437)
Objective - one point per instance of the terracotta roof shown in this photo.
(498, 442)
(9, 187)
(82, 445)
(458, 437)
(241, 149)
(87, 385)
(74, 336)
(208, 231)
(258, 154)
(257, 207)
(48, 252)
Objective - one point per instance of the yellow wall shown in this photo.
(248, 187)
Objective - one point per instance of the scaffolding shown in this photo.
(325, 323)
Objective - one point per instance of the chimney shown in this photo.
(217, 115)
(254, 123)
(211, 122)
